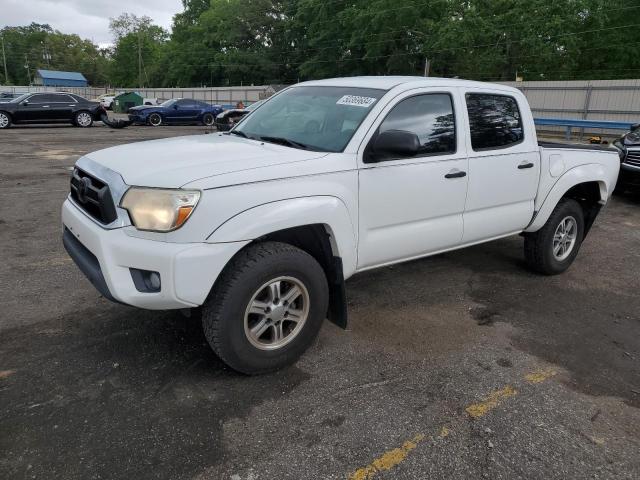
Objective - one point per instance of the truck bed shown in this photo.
(575, 146)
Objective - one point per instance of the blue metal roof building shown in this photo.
(54, 78)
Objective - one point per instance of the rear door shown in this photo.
(61, 106)
(413, 206)
(504, 164)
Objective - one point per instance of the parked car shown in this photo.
(50, 107)
(261, 226)
(106, 100)
(629, 146)
(174, 111)
(226, 120)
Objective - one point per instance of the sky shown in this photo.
(87, 18)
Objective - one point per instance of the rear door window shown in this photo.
(494, 121)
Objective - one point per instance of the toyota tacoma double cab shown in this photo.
(259, 227)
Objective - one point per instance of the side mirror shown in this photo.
(635, 126)
(395, 142)
(175, 107)
(26, 102)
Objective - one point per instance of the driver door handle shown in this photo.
(524, 165)
(455, 174)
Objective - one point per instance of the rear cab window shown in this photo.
(495, 121)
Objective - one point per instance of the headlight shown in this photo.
(160, 210)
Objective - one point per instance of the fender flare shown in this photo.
(329, 211)
(591, 172)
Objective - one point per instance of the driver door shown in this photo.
(411, 206)
(35, 108)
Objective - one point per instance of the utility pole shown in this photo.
(427, 65)
(4, 61)
(139, 60)
(26, 65)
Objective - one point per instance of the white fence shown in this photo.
(222, 95)
(617, 100)
(613, 100)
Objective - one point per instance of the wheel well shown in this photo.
(588, 196)
(316, 240)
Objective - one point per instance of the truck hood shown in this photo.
(175, 162)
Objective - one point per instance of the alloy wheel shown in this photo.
(564, 238)
(4, 120)
(83, 119)
(276, 313)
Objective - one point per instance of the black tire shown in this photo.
(207, 119)
(539, 246)
(155, 119)
(223, 313)
(5, 120)
(83, 119)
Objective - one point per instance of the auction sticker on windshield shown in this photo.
(356, 101)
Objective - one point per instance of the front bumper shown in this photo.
(187, 270)
(137, 118)
(629, 175)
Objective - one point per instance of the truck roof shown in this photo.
(389, 82)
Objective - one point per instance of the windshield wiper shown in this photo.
(238, 132)
(285, 141)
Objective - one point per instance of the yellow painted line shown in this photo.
(6, 373)
(390, 459)
(387, 461)
(492, 401)
(540, 376)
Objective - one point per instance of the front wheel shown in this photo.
(5, 120)
(83, 119)
(266, 307)
(207, 119)
(155, 120)
(553, 248)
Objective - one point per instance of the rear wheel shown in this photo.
(83, 119)
(155, 120)
(5, 120)
(553, 248)
(266, 307)
(207, 119)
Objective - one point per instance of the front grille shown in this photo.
(633, 158)
(93, 196)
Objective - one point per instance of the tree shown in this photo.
(37, 46)
(137, 50)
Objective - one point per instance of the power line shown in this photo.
(377, 57)
(405, 29)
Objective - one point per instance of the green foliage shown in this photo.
(232, 42)
(137, 51)
(39, 46)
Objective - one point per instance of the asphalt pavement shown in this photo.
(463, 365)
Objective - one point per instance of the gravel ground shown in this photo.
(463, 365)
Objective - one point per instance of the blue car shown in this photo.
(174, 111)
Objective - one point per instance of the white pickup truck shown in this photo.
(261, 226)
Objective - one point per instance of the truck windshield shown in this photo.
(312, 118)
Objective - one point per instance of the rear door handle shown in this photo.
(455, 174)
(522, 166)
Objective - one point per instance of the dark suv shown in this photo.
(629, 145)
(50, 107)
